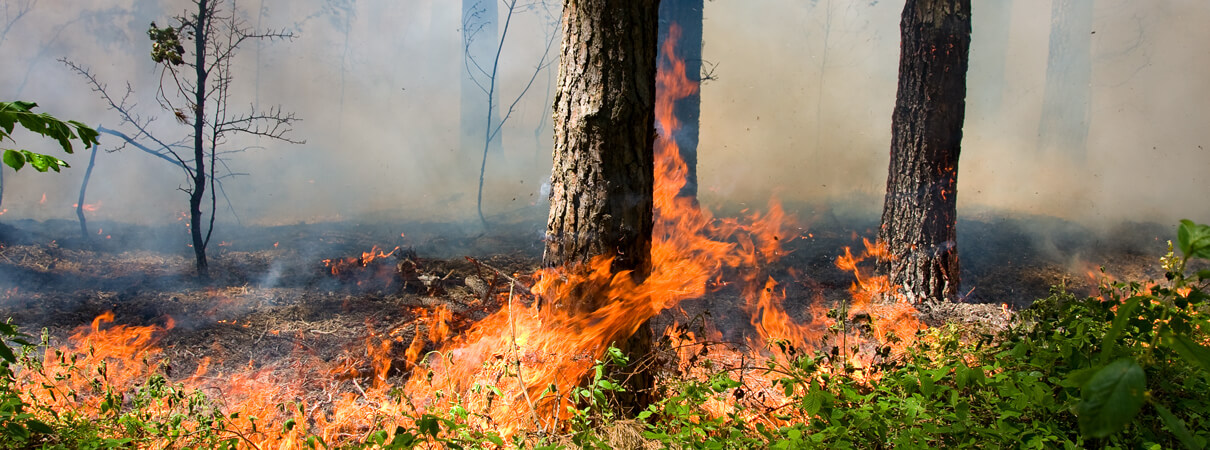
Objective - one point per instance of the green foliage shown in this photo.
(166, 45)
(1111, 398)
(13, 113)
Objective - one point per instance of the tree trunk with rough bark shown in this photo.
(603, 174)
(920, 210)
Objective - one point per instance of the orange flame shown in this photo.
(340, 265)
(88, 207)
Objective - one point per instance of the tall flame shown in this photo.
(552, 347)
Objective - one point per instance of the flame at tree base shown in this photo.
(536, 356)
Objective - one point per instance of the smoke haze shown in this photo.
(800, 106)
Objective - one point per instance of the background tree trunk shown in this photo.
(480, 40)
(604, 163)
(919, 213)
(687, 14)
(1067, 99)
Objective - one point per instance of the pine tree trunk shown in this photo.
(687, 15)
(603, 174)
(919, 213)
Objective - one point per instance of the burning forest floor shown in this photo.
(328, 289)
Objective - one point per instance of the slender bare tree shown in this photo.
(195, 87)
(483, 48)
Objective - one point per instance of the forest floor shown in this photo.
(272, 293)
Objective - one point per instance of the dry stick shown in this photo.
(517, 357)
(514, 281)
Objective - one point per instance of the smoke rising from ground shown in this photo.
(800, 107)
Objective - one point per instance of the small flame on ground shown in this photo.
(88, 207)
(339, 265)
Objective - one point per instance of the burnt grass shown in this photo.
(271, 295)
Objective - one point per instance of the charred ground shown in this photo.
(274, 298)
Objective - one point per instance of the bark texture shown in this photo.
(1067, 100)
(687, 15)
(919, 213)
(602, 179)
(603, 175)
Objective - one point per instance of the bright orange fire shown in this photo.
(340, 265)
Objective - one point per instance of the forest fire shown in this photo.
(552, 348)
(516, 368)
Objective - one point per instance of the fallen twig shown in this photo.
(501, 273)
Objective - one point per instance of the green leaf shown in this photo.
(495, 440)
(1189, 349)
(12, 113)
(14, 159)
(7, 353)
(1176, 426)
(38, 426)
(1193, 239)
(1111, 398)
(428, 425)
(1124, 314)
(813, 403)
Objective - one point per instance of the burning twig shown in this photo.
(517, 357)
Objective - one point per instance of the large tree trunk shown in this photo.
(687, 15)
(1067, 100)
(604, 163)
(919, 213)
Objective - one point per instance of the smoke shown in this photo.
(800, 106)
